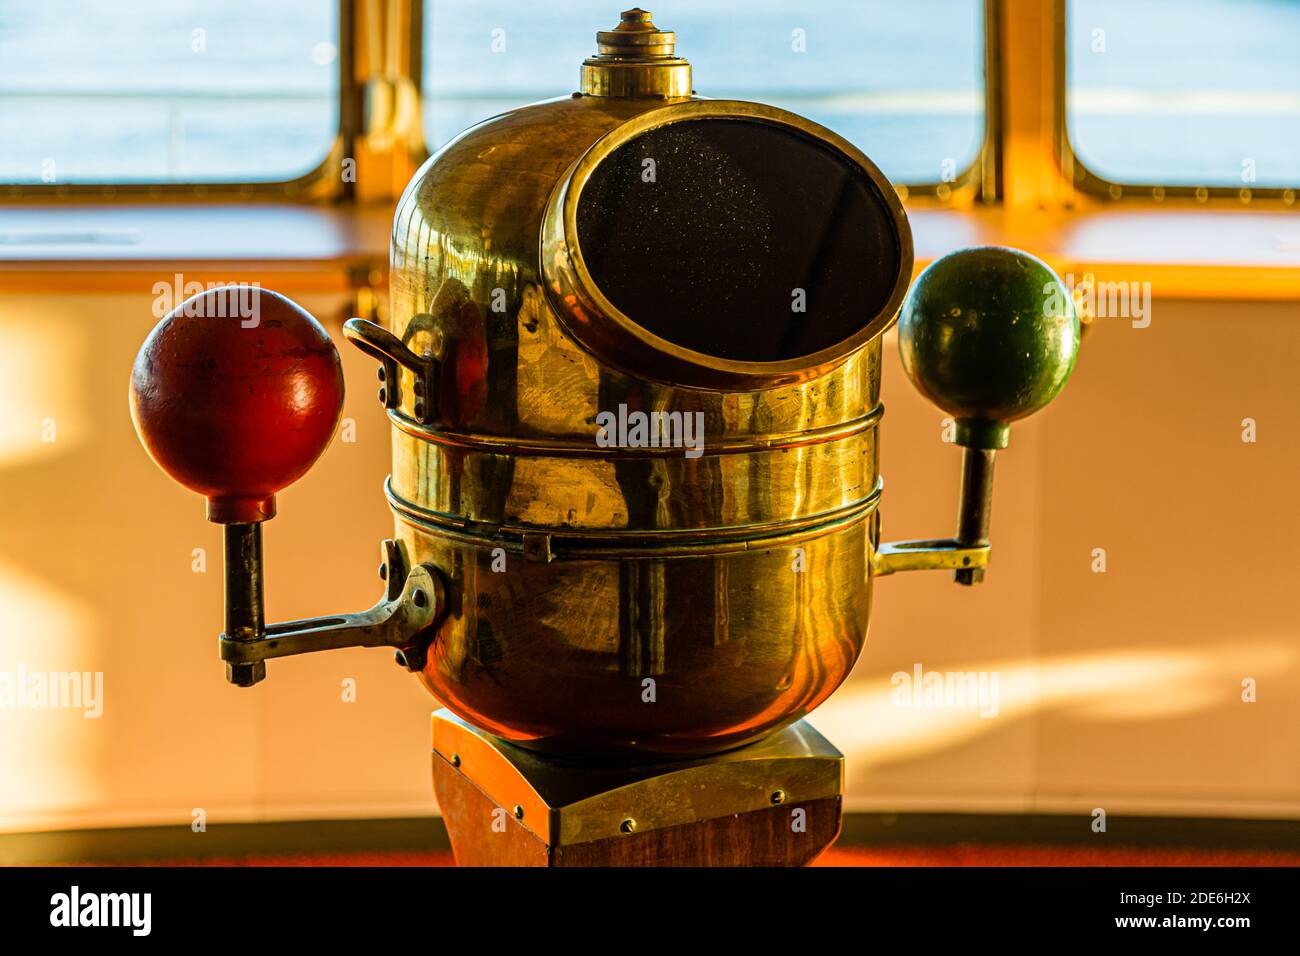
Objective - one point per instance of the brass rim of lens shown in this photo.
(611, 335)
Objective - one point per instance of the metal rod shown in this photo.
(245, 618)
(976, 507)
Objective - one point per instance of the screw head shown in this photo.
(455, 760)
(779, 797)
(519, 811)
(627, 826)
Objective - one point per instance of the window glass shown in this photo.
(163, 91)
(1197, 93)
(903, 82)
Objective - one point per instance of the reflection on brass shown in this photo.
(566, 805)
(738, 582)
(634, 599)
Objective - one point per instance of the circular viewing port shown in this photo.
(742, 239)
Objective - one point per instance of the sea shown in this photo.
(139, 91)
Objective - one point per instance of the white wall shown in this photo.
(1120, 690)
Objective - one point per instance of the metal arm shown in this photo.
(412, 604)
(938, 554)
(989, 335)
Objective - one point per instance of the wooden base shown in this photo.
(774, 803)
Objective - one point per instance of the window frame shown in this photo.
(318, 184)
(1083, 179)
(980, 180)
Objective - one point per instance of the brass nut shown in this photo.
(246, 673)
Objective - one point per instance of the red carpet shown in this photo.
(952, 855)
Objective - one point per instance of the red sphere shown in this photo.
(235, 394)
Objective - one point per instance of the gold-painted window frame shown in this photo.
(320, 184)
(980, 181)
(1085, 181)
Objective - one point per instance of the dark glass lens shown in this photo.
(715, 233)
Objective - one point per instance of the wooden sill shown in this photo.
(127, 247)
(1183, 253)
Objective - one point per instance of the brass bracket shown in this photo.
(537, 547)
(377, 342)
(933, 555)
(402, 619)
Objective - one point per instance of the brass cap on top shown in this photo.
(636, 35)
(636, 59)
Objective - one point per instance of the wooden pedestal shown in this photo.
(773, 803)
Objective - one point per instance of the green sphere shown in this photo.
(990, 335)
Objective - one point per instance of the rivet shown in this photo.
(383, 396)
(519, 811)
(383, 375)
(419, 409)
(418, 598)
(778, 797)
(628, 825)
(455, 760)
(383, 572)
(401, 659)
